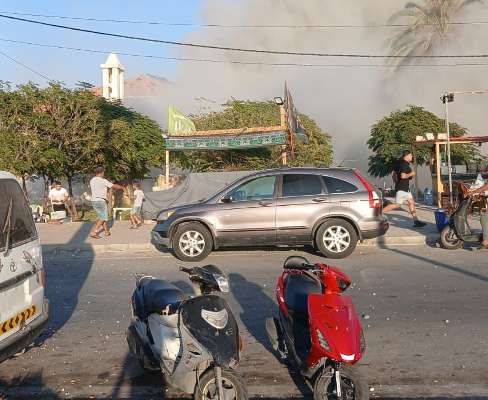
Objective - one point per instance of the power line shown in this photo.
(237, 49)
(190, 24)
(258, 63)
(26, 66)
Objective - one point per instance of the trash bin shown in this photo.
(441, 219)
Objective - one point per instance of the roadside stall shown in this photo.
(440, 184)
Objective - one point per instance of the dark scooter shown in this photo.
(458, 231)
(317, 330)
(195, 341)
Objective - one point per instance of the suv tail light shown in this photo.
(374, 199)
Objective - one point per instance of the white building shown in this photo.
(112, 78)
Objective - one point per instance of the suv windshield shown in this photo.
(22, 228)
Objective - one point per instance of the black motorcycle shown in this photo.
(193, 341)
(458, 230)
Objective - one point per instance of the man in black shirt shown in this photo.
(402, 175)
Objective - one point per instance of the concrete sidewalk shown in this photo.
(73, 238)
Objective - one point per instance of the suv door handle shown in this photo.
(265, 203)
(319, 199)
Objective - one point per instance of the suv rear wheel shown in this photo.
(192, 242)
(336, 238)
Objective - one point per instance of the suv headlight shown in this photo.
(164, 215)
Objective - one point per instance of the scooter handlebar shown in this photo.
(304, 266)
(187, 270)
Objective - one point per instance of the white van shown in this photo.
(23, 307)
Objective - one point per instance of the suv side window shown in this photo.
(257, 189)
(22, 228)
(301, 185)
(335, 185)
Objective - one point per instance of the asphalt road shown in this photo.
(424, 312)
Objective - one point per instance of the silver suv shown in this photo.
(329, 208)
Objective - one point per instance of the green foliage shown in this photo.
(58, 132)
(428, 26)
(133, 142)
(396, 132)
(238, 114)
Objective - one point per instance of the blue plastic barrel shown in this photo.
(441, 219)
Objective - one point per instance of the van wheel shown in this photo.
(192, 242)
(336, 238)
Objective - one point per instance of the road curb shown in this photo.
(57, 249)
(415, 240)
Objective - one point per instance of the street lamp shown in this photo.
(447, 98)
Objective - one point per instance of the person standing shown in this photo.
(402, 175)
(99, 187)
(484, 215)
(135, 213)
(58, 196)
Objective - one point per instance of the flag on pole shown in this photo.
(178, 123)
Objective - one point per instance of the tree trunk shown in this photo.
(70, 185)
(45, 204)
(24, 186)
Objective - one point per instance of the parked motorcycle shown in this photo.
(458, 230)
(318, 331)
(193, 341)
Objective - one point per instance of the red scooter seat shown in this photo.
(297, 289)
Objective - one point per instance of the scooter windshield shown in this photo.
(211, 322)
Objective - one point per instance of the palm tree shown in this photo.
(429, 26)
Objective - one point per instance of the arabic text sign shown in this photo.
(226, 142)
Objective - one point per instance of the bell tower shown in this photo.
(112, 78)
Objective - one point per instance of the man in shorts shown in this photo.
(403, 173)
(99, 187)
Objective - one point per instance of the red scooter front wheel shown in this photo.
(354, 385)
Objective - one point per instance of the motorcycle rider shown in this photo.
(484, 215)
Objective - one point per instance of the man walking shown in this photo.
(403, 173)
(99, 186)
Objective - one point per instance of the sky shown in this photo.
(71, 66)
(345, 99)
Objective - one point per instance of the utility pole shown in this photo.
(446, 99)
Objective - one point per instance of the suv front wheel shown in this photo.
(336, 238)
(192, 242)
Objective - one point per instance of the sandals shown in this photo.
(133, 227)
(95, 236)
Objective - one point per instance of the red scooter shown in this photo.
(318, 331)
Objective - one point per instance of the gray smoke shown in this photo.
(345, 101)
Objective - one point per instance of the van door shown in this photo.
(21, 289)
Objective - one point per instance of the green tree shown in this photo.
(428, 26)
(23, 148)
(396, 132)
(133, 142)
(240, 113)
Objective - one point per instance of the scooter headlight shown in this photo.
(218, 319)
(223, 283)
(323, 342)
